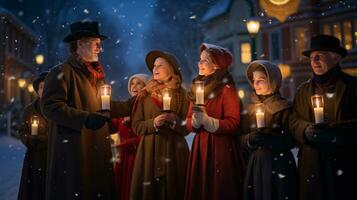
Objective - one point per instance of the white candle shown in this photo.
(317, 104)
(105, 102)
(319, 115)
(260, 119)
(166, 102)
(34, 128)
(105, 96)
(200, 96)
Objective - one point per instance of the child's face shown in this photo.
(205, 66)
(261, 84)
(135, 86)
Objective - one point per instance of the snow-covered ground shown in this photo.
(11, 157)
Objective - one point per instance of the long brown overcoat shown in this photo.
(162, 155)
(79, 159)
(329, 173)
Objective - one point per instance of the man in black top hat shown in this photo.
(79, 157)
(327, 162)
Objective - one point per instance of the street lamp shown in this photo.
(253, 26)
(39, 59)
(22, 84)
(30, 88)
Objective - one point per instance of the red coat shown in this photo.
(216, 169)
(124, 168)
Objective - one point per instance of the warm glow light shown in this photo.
(30, 88)
(279, 2)
(246, 52)
(21, 82)
(241, 93)
(39, 59)
(285, 70)
(253, 26)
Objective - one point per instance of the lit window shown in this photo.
(347, 29)
(355, 31)
(326, 29)
(301, 41)
(337, 30)
(246, 52)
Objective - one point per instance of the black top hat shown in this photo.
(152, 55)
(325, 43)
(84, 29)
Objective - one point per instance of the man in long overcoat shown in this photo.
(327, 162)
(79, 157)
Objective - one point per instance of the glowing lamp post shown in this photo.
(318, 106)
(253, 26)
(39, 59)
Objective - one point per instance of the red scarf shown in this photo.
(93, 70)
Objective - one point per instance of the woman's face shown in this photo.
(40, 89)
(162, 69)
(135, 86)
(206, 66)
(261, 84)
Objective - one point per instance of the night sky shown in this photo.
(134, 28)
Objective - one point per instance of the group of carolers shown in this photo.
(230, 158)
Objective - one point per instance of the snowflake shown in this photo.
(65, 141)
(117, 42)
(147, 183)
(339, 172)
(281, 176)
(20, 13)
(183, 123)
(60, 75)
(86, 11)
(330, 95)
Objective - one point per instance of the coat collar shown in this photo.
(272, 104)
(339, 91)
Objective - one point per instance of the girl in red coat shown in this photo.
(215, 168)
(128, 142)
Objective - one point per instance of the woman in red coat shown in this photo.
(216, 169)
(128, 142)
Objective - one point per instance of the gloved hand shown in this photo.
(257, 138)
(197, 115)
(201, 117)
(319, 134)
(95, 121)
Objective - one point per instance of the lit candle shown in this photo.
(317, 103)
(260, 118)
(200, 99)
(166, 101)
(105, 96)
(34, 125)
